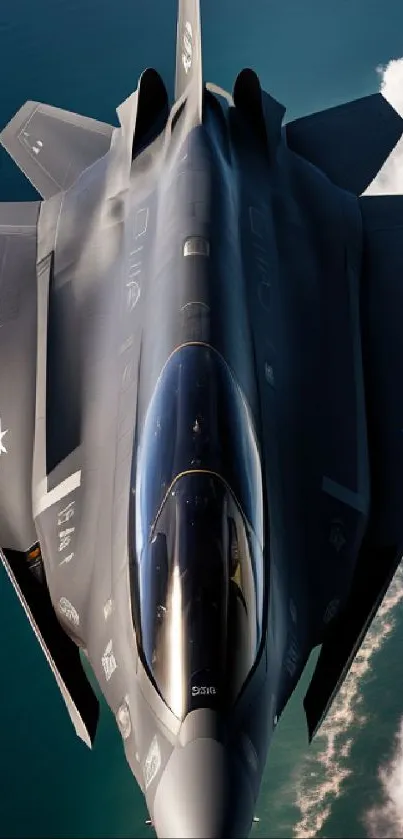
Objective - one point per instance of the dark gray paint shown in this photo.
(287, 295)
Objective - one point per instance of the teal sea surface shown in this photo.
(86, 56)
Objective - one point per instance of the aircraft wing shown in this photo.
(52, 147)
(18, 294)
(381, 552)
(18, 344)
(349, 142)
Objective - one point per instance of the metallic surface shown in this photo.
(197, 482)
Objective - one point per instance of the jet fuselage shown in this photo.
(241, 322)
(190, 369)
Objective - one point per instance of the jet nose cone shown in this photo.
(202, 795)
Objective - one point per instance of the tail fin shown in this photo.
(188, 50)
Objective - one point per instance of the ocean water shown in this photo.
(86, 55)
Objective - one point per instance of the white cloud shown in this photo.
(392, 83)
(386, 819)
(389, 179)
(322, 776)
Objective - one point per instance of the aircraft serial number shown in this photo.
(203, 690)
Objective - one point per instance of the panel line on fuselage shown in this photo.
(344, 494)
(47, 499)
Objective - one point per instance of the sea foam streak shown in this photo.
(386, 819)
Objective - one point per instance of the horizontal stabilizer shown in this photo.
(61, 652)
(52, 147)
(350, 142)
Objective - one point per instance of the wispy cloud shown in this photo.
(323, 773)
(389, 179)
(386, 819)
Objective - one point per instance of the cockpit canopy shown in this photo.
(197, 534)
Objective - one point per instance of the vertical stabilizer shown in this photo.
(188, 51)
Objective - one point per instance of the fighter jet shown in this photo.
(201, 414)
